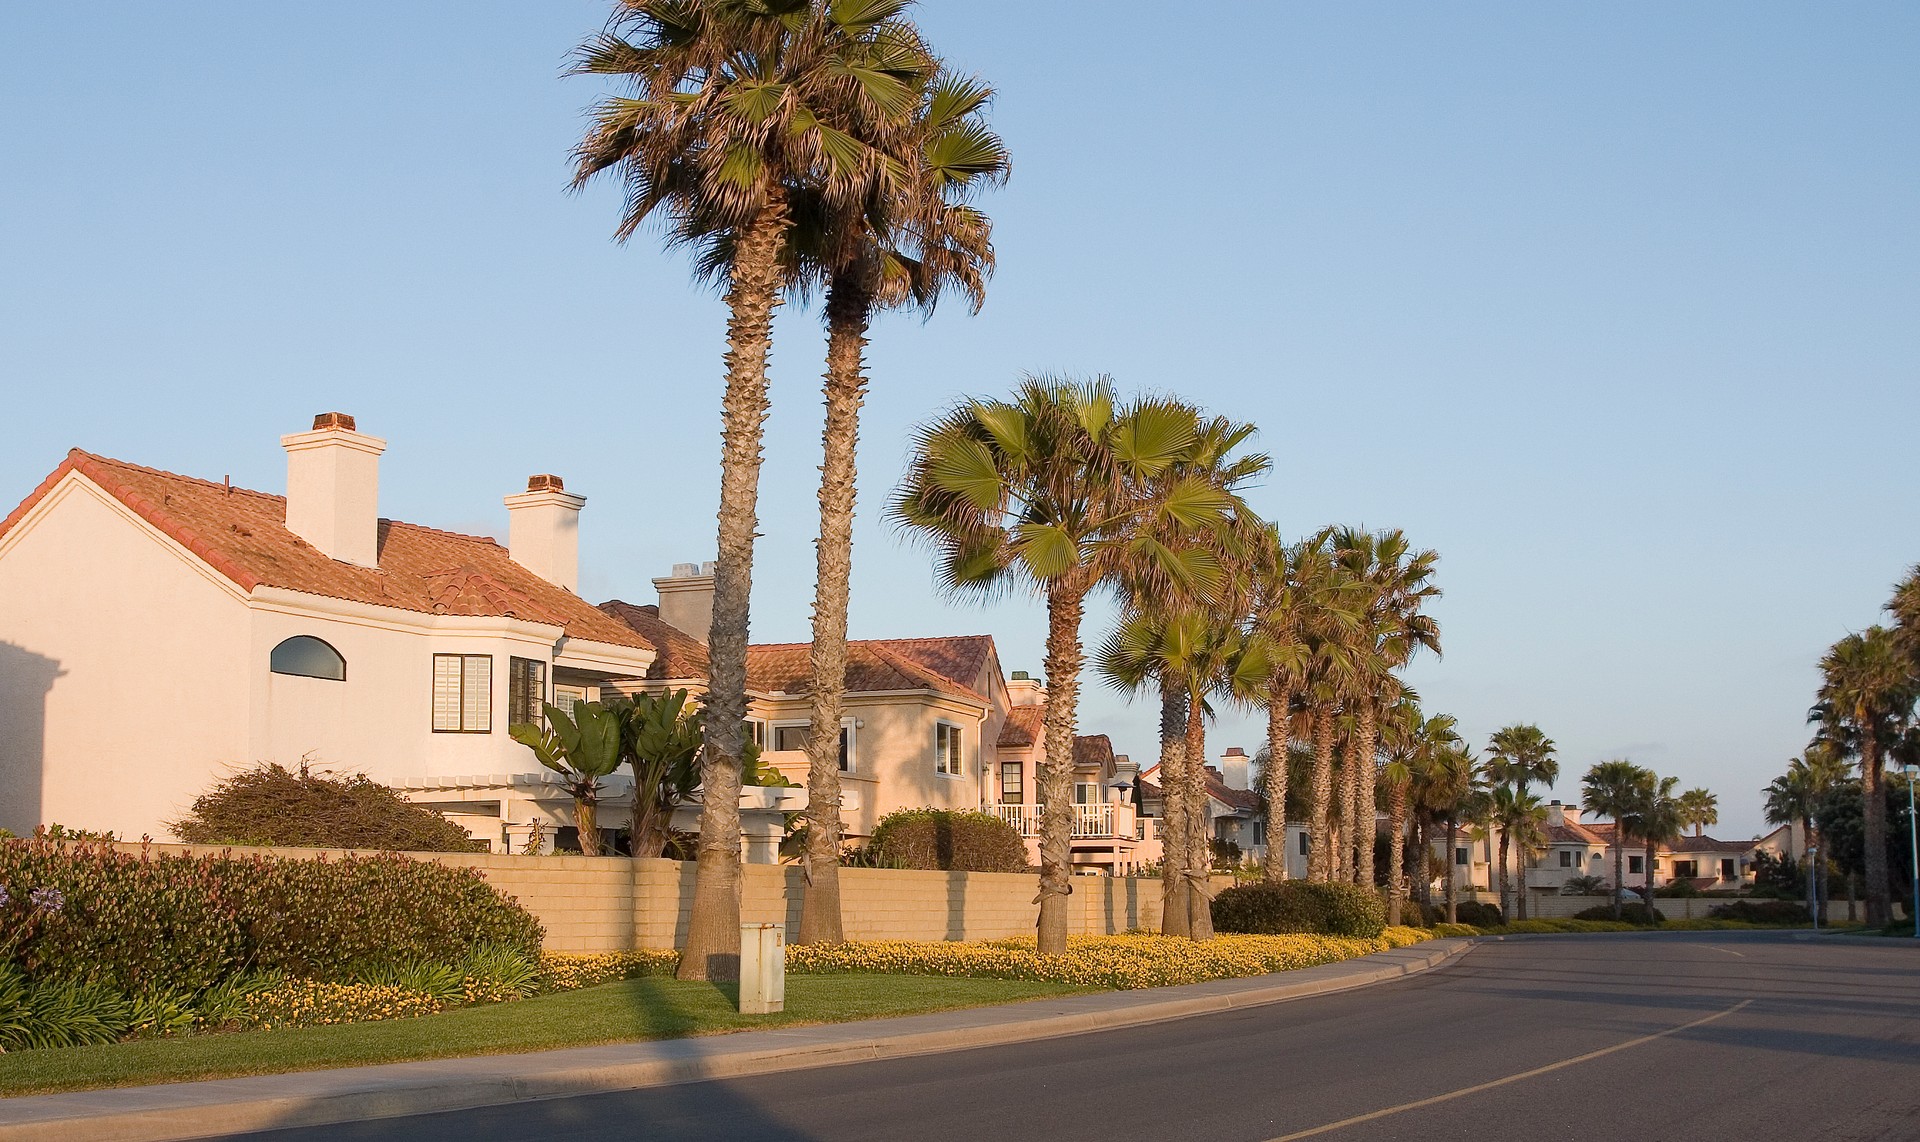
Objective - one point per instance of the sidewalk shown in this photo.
(312, 1098)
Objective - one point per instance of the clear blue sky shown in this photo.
(1614, 306)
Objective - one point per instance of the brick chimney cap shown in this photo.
(336, 420)
(546, 483)
(1236, 751)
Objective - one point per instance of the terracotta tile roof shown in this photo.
(1023, 726)
(1243, 800)
(1709, 845)
(243, 535)
(680, 655)
(1573, 834)
(949, 665)
(1093, 749)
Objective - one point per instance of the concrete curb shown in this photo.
(213, 1108)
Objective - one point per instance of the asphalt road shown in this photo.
(1600, 1038)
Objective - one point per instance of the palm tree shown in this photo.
(1866, 696)
(1698, 809)
(1520, 755)
(735, 105)
(1412, 742)
(1612, 789)
(1205, 654)
(1066, 489)
(906, 251)
(1300, 615)
(1445, 784)
(1905, 608)
(1658, 822)
(1521, 818)
(1393, 583)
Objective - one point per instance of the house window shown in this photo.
(567, 697)
(1726, 869)
(1303, 845)
(1087, 793)
(1460, 856)
(1013, 789)
(1686, 868)
(1566, 858)
(462, 693)
(526, 691)
(793, 736)
(1259, 832)
(947, 740)
(757, 732)
(1636, 864)
(307, 657)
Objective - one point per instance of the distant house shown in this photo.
(158, 632)
(1108, 834)
(1232, 810)
(1577, 848)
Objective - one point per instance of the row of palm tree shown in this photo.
(795, 147)
(1864, 714)
(1644, 806)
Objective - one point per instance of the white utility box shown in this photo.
(763, 968)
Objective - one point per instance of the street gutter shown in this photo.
(219, 1107)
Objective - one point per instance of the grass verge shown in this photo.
(632, 1010)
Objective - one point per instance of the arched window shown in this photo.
(308, 657)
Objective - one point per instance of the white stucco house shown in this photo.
(158, 632)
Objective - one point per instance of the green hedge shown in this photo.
(89, 912)
(1478, 914)
(1631, 913)
(1300, 906)
(949, 840)
(1762, 912)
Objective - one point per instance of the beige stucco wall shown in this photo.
(598, 904)
(122, 669)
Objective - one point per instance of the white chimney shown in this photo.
(543, 531)
(1234, 771)
(333, 489)
(686, 598)
(1024, 690)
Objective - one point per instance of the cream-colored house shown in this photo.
(159, 632)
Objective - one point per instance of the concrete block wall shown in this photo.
(608, 904)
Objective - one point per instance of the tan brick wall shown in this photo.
(604, 904)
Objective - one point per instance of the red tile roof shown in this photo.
(1573, 834)
(1708, 845)
(243, 535)
(1245, 800)
(944, 665)
(1023, 726)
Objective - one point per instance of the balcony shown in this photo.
(1103, 821)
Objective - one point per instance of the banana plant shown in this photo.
(661, 738)
(582, 749)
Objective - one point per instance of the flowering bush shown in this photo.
(565, 971)
(313, 1003)
(1130, 961)
(86, 910)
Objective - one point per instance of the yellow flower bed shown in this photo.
(311, 1003)
(1129, 961)
(564, 971)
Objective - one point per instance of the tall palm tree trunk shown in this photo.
(1173, 810)
(1396, 848)
(1872, 788)
(1065, 606)
(1276, 783)
(1619, 867)
(1199, 840)
(1506, 905)
(848, 304)
(713, 930)
(1365, 776)
(1648, 887)
(1320, 851)
(1453, 838)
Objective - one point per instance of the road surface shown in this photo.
(1693, 1037)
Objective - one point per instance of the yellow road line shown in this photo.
(1534, 1073)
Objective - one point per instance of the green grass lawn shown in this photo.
(637, 1009)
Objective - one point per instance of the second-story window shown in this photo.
(526, 691)
(793, 736)
(462, 693)
(947, 740)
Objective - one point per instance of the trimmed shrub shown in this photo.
(91, 912)
(1762, 912)
(1477, 914)
(949, 840)
(1414, 914)
(271, 805)
(1300, 906)
(1630, 913)
(1678, 889)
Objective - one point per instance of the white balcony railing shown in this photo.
(1088, 820)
